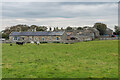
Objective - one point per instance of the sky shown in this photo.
(59, 14)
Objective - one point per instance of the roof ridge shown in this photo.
(39, 33)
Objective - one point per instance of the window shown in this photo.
(57, 38)
(15, 38)
(35, 39)
(43, 38)
(18, 38)
(22, 38)
(30, 38)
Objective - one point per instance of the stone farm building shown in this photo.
(80, 35)
(45, 36)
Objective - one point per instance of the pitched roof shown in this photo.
(40, 33)
(108, 29)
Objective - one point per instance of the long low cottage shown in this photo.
(58, 36)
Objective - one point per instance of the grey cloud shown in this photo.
(55, 9)
(60, 0)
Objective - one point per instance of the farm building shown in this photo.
(80, 35)
(95, 31)
(45, 36)
(109, 32)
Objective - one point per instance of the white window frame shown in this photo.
(57, 38)
(15, 38)
(23, 38)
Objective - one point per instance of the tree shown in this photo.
(69, 28)
(86, 27)
(101, 28)
(79, 28)
(41, 28)
(6, 36)
(33, 27)
(15, 28)
(20, 27)
(117, 30)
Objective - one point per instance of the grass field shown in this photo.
(95, 59)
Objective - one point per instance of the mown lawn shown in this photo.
(96, 59)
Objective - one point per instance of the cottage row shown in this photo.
(37, 36)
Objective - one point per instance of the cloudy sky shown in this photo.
(59, 14)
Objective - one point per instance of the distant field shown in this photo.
(96, 59)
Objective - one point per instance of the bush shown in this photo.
(6, 36)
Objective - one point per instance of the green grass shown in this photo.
(95, 59)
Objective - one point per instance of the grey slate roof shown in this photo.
(40, 33)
